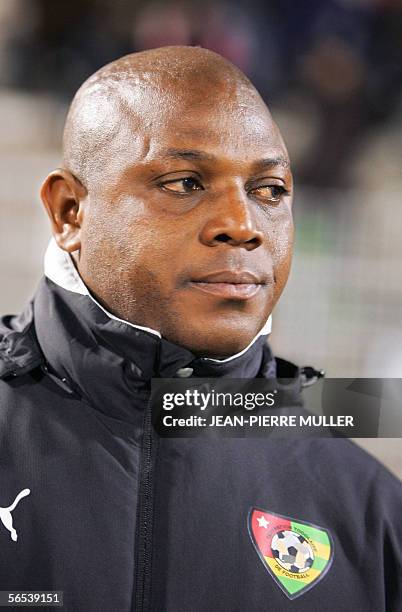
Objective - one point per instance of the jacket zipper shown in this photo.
(145, 518)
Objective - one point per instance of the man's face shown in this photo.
(188, 228)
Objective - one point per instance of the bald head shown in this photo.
(140, 90)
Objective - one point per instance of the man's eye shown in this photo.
(272, 193)
(184, 185)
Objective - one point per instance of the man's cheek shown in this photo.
(282, 256)
(284, 236)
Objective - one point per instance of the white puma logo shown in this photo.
(5, 514)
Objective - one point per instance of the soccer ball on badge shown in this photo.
(292, 551)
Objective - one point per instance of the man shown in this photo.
(172, 225)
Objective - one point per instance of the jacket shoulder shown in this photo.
(339, 464)
(19, 348)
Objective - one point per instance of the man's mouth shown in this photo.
(228, 284)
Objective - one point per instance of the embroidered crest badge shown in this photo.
(296, 554)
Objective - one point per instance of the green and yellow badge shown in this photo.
(296, 554)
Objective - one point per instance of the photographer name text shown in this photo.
(264, 420)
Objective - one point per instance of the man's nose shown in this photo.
(232, 223)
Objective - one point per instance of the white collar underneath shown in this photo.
(59, 268)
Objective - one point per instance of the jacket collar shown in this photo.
(66, 320)
(111, 364)
(59, 268)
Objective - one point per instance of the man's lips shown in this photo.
(235, 285)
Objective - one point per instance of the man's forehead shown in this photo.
(218, 123)
(193, 106)
(213, 136)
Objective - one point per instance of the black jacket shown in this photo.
(122, 521)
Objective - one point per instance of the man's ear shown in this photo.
(63, 194)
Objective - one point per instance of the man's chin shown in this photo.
(216, 334)
(218, 345)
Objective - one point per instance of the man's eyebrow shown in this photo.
(196, 155)
(272, 162)
(190, 154)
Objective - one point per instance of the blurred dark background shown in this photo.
(330, 70)
(338, 62)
